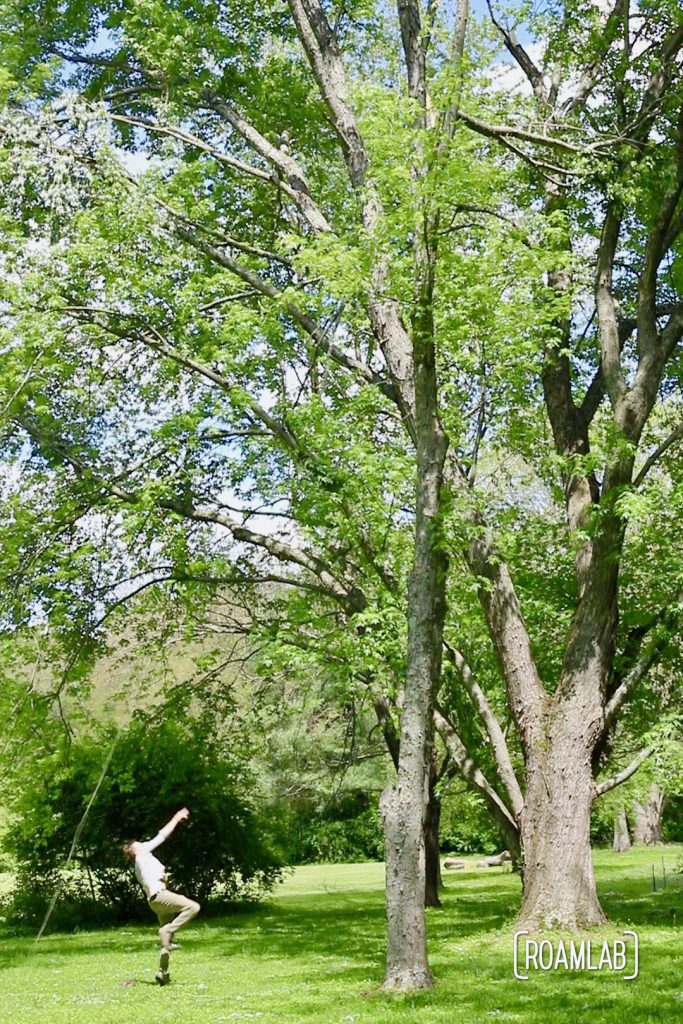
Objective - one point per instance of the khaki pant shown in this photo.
(173, 911)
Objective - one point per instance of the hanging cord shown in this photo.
(77, 836)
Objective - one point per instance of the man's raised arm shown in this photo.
(182, 815)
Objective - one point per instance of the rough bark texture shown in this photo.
(647, 818)
(433, 880)
(402, 810)
(559, 883)
(410, 359)
(622, 840)
(404, 807)
(559, 734)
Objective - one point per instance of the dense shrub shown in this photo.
(156, 768)
(348, 828)
(602, 822)
(466, 826)
(344, 829)
(353, 839)
(672, 820)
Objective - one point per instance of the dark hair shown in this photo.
(128, 850)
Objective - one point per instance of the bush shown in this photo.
(345, 829)
(466, 826)
(355, 839)
(156, 768)
(672, 820)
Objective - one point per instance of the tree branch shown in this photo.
(605, 305)
(450, 117)
(320, 44)
(501, 607)
(515, 48)
(306, 322)
(551, 141)
(623, 776)
(278, 157)
(154, 340)
(386, 724)
(387, 324)
(591, 73)
(297, 192)
(656, 87)
(674, 436)
(495, 733)
(655, 251)
(552, 172)
(205, 513)
(469, 770)
(671, 334)
(413, 50)
(645, 662)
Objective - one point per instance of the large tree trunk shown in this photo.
(432, 822)
(404, 807)
(647, 828)
(559, 883)
(433, 880)
(622, 840)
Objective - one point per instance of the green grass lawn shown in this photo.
(315, 953)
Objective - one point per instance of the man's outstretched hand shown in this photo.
(183, 814)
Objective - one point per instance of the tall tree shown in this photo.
(320, 162)
(191, 102)
(603, 121)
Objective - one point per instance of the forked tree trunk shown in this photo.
(433, 880)
(559, 882)
(622, 840)
(404, 806)
(647, 828)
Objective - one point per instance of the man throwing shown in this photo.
(172, 909)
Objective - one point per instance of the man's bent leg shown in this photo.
(172, 904)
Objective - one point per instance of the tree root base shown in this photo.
(403, 982)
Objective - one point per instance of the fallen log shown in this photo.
(496, 861)
(454, 864)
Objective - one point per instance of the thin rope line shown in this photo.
(77, 835)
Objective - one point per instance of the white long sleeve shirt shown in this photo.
(150, 872)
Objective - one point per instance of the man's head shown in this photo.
(129, 848)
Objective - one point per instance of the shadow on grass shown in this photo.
(311, 950)
(352, 925)
(347, 925)
(635, 904)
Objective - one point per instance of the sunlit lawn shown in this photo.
(315, 953)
